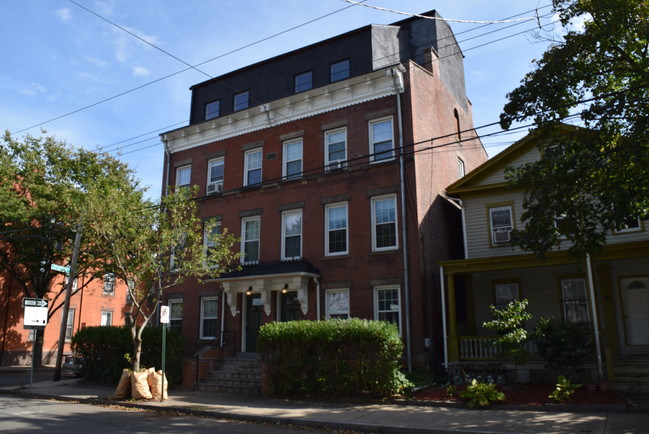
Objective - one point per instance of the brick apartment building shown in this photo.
(328, 163)
(97, 303)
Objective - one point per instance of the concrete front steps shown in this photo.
(240, 374)
(630, 375)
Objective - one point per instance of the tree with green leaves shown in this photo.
(43, 186)
(154, 246)
(596, 180)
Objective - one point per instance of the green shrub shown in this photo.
(564, 390)
(106, 350)
(332, 358)
(481, 394)
(564, 345)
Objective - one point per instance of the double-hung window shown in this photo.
(183, 176)
(212, 110)
(387, 304)
(252, 169)
(215, 169)
(381, 139)
(292, 159)
(69, 325)
(241, 100)
(211, 231)
(109, 284)
(106, 318)
(504, 293)
(335, 148)
(250, 239)
(339, 70)
(175, 313)
(303, 81)
(209, 317)
(501, 222)
(337, 304)
(631, 224)
(292, 234)
(575, 300)
(461, 171)
(336, 229)
(384, 223)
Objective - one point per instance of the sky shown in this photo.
(111, 75)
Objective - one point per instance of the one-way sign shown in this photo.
(35, 302)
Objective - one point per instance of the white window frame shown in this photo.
(172, 317)
(180, 171)
(206, 239)
(328, 209)
(245, 240)
(286, 233)
(173, 263)
(296, 144)
(461, 168)
(500, 229)
(69, 324)
(203, 317)
(339, 313)
(106, 318)
(374, 142)
(628, 228)
(248, 167)
(375, 200)
(337, 163)
(215, 162)
(377, 311)
(108, 288)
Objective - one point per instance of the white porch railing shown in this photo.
(483, 348)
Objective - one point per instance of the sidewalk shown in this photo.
(403, 417)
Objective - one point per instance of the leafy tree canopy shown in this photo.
(597, 181)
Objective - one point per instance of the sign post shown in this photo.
(35, 318)
(164, 320)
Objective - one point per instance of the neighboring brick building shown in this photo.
(309, 158)
(98, 303)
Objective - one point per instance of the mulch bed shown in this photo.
(533, 395)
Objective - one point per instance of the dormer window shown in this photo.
(303, 81)
(339, 71)
(241, 100)
(212, 110)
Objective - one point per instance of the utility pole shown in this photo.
(66, 303)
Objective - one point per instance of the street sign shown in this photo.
(35, 302)
(35, 312)
(60, 268)
(164, 314)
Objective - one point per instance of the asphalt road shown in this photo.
(18, 376)
(38, 415)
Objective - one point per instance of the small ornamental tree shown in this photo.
(153, 247)
(509, 321)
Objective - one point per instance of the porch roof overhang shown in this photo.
(610, 252)
(264, 278)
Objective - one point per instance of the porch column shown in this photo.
(452, 342)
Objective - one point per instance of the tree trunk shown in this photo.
(137, 351)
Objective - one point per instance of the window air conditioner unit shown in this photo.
(337, 165)
(501, 236)
(214, 187)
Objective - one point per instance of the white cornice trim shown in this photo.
(374, 85)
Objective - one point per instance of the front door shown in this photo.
(290, 306)
(254, 312)
(635, 294)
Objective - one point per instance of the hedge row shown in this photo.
(332, 358)
(106, 351)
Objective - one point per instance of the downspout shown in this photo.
(397, 77)
(167, 171)
(442, 290)
(593, 305)
(317, 294)
(222, 315)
